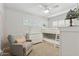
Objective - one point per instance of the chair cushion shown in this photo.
(27, 45)
(11, 39)
(20, 39)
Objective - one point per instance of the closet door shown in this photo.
(1, 22)
(0, 29)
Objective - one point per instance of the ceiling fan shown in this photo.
(47, 7)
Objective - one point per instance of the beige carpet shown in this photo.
(44, 49)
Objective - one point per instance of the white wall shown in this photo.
(15, 21)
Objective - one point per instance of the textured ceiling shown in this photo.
(39, 8)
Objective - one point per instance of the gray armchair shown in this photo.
(19, 48)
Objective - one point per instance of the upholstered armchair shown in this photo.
(20, 45)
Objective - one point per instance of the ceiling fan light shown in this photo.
(46, 11)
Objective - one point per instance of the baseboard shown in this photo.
(37, 43)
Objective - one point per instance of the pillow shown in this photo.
(20, 39)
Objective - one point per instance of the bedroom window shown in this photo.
(60, 23)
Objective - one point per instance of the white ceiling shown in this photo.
(38, 9)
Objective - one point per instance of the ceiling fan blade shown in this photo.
(44, 6)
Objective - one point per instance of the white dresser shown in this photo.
(35, 35)
(69, 41)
